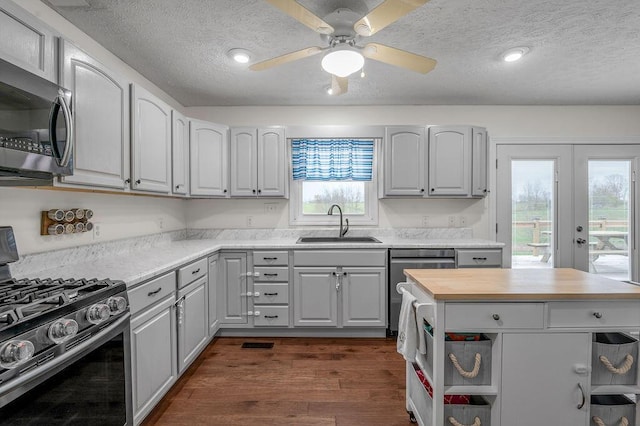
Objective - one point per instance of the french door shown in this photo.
(569, 206)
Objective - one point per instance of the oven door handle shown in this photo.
(33, 377)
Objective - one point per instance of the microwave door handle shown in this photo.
(61, 103)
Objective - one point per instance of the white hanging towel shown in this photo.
(407, 329)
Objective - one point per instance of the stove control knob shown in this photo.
(62, 330)
(117, 304)
(98, 313)
(15, 353)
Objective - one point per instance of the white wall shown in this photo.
(119, 216)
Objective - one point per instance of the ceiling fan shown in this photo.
(341, 30)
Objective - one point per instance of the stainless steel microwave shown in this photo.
(36, 128)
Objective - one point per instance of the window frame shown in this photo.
(298, 218)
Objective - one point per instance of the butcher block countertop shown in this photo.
(519, 284)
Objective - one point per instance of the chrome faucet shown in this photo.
(343, 231)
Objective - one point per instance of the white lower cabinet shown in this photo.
(193, 322)
(232, 288)
(535, 364)
(153, 343)
(332, 289)
(214, 322)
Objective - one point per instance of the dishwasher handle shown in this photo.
(424, 260)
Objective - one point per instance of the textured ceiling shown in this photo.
(582, 52)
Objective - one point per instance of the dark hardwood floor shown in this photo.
(300, 381)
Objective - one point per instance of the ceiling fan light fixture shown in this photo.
(514, 54)
(240, 56)
(342, 62)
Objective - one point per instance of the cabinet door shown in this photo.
(272, 162)
(214, 322)
(244, 162)
(151, 142)
(180, 153)
(27, 42)
(100, 104)
(404, 161)
(540, 385)
(479, 150)
(153, 356)
(232, 288)
(209, 157)
(450, 160)
(315, 297)
(364, 297)
(193, 322)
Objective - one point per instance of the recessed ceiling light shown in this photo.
(514, 54)
(240, 56)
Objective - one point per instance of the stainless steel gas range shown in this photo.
(64, 348)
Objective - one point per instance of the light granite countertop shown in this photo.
(139, 259)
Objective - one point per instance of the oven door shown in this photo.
(90, 384)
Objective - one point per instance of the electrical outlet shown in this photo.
(249, 221)
(270, 208)
(462, 220)
(425, 221)
(452, 221)
(97, 231)
(160, 223)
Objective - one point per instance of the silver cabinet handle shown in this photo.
(68, 122)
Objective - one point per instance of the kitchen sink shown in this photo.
(303, 240)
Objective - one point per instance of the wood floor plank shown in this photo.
(300, 381)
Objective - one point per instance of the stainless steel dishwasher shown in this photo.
(401, 259)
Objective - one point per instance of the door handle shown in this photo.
(580, 241)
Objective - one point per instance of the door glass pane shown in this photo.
(532, 207)
(609, 215)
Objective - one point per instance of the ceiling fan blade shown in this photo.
(287, 57)
(302, 14)
(339, 85)
(386, 13)
(399, 58)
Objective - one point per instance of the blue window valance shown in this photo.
(332, 159)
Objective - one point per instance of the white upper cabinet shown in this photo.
(258, 162)
(209, 147)
(27, 42)
(449, 160)
(479, 162)
(100, 105)
(151, 142)
(180, 150)
(405, 161)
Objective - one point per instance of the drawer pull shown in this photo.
(271, 316)
(454, 422)
(597, 315)
(269, 258)
(154, 292)
(479, 258)
(496, 317)
(624, 367)
(599, 422)
(270, 274)
(195, 272)
(271, 294)
(467, 374)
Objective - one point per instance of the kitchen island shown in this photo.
(541, 331)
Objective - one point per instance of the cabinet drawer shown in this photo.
(271, 274)
(190, 273)
(150, 292)
(479, 258)
(594, 314)
(270, 316)
(470, 316)
(270, 258)
(271, 293)
(340, 257)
